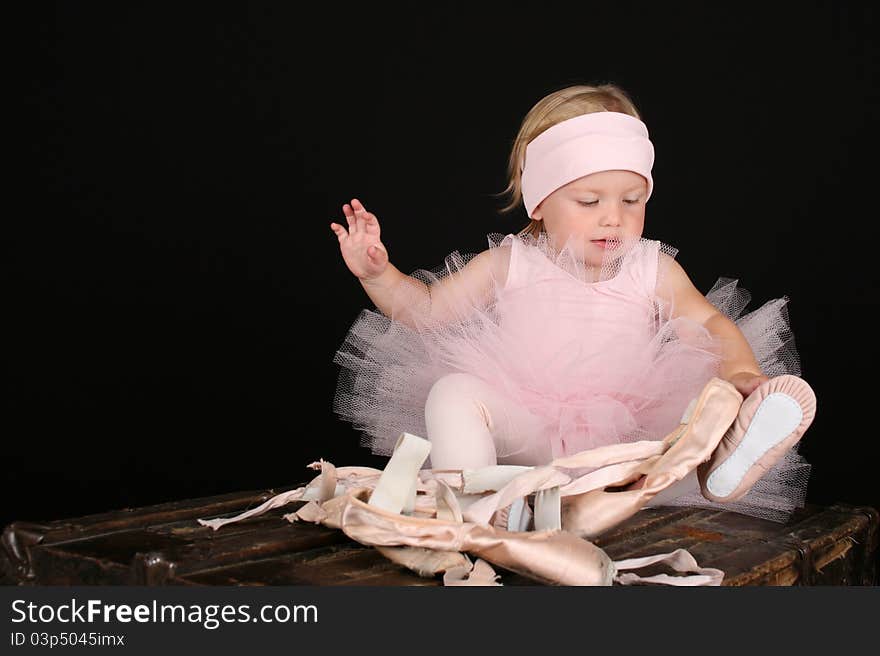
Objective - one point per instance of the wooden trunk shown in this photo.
(165, 545)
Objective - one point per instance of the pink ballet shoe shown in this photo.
(689, 445)
(771, 420)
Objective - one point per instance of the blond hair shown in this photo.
(558, 106)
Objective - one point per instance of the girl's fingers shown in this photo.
(339, 230)
(360, 216)
(360, 213)
(357, 216)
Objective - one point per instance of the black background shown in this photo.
(175, 294)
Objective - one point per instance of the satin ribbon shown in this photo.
(428, 544)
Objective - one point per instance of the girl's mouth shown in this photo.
(603, 243)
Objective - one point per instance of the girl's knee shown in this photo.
(451, 386)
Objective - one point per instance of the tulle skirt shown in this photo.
(627, 391)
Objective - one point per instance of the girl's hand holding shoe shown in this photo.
(746, 382)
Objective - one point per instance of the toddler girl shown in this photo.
(574, 333)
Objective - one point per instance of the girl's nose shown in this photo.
(611, 217)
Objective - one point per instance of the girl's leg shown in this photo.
(469, 423)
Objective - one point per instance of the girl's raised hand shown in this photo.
(363, 252)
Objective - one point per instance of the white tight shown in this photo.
(468, 423)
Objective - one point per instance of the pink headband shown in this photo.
(599, 141)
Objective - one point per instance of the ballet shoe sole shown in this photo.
(771, 420)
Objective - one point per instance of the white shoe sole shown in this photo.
(776, 418)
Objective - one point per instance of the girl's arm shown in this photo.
(738, 365)
(414, 302)
(405, 298)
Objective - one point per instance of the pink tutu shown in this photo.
(576, 334)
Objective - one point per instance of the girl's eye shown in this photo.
(593, 202)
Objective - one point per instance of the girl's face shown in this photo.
(603, 205)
